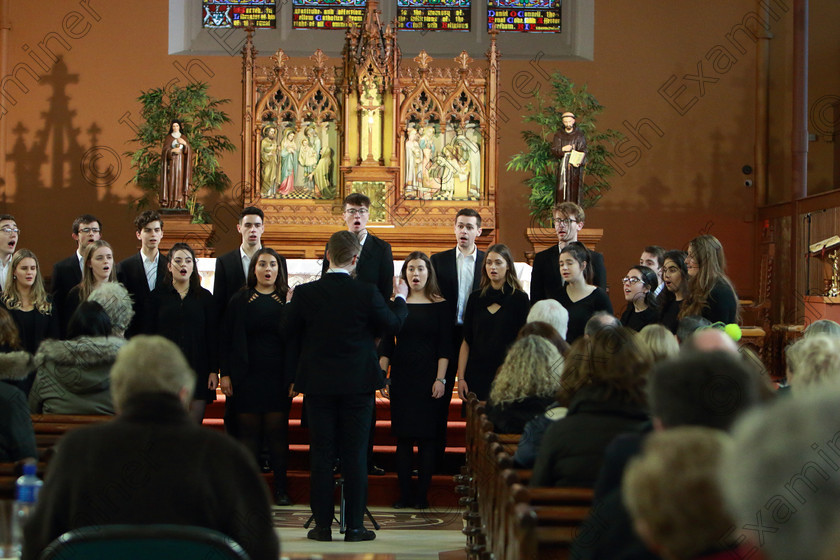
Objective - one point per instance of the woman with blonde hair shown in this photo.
(97, 268)
(525, 384)
(29, 305)
(710, 292)
(660, 341)
(494, 314)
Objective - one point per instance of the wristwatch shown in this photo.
(442, 380)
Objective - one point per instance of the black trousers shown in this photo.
(339, 426)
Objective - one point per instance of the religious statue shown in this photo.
(413, 160)
(270, 160)
(370, 109)
(176, 168)
(569, 145)
(308, 159)
(288, 161)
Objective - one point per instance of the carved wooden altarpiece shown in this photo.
(418, 138)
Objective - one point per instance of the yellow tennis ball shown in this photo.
(734, 331)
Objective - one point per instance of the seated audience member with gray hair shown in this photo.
(782, 484)
(813, 360)
(600, 320)
(823, 326)
(152, 464)
(694, 389)
(550, 311)
(115, 299)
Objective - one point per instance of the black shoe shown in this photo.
(320, 534)
(400, 504)
(376, 471)
(282, 499)
(357, 535)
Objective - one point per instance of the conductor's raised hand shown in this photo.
(400, 287)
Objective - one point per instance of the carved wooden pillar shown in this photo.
(492, 167)
(248, 96)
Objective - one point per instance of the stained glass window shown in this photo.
(530, 16)
(225, 14)
(326, 14)
(433, 15)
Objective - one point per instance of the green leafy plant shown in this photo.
(543, 165)
(201, 117)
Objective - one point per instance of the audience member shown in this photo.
(675, 280)
(546, 331)
(577, 294)
(688, 325)
(639, 287)
(525, 384)
(27, 302)
(9, 233)
(812, 361)
(823, 326)
(675, 500)
(653, 257)
(781, 484)
(98, 269)
(660, 341)
(152, 464)
(710, 292)
(145, 271)
(116, 301)
(599, 321)
(73, 376)
(68, 272)
(709, 339)
(17, 439)
(550, 311)
(546, 279)
(493, 316)
(612, 401)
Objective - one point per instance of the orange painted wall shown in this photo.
(679, 173)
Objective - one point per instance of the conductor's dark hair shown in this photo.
(342, 246)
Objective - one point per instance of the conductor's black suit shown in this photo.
(333, 322)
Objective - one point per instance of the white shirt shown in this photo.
(81, 258)
(466, 274)
(246, 261)
(4, 270)
(659, 287)
(151, 269)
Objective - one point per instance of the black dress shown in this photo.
(192, 324)
(424, 338)
(257, 353)
(489, 334)
(581, 311)
(722, 304)
(669, 316)
(637, 320)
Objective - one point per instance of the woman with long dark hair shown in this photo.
(675, 278)
(418, 359)
(639, 287)
(185, 313)
(493, 316)
(711, 293)
(255, 373)
(579, 296)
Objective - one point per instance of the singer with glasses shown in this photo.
(639, 286)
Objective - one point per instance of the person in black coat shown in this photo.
(545, 276)
(164, 468)
(145, 271)
(337, 319)
(256, 371)
(230, 277)
(185, 313)
(67, 273)
(612, 402)
(492, 319)
(458, 272)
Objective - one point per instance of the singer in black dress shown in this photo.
(418, 359)
(255, 370)
(185, 313)
(493, 316)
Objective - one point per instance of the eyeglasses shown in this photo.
(670, 270)
(565, 221)
(632, 280)
(10, 230)
(90, 230)
(357, 211)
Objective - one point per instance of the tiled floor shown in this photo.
(407, 534)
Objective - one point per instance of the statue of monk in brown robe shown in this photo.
(566, 141)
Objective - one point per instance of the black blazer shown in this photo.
(545, 276)
(375, 265)
(230, 278)
(331, 324)
(132, 275)
(65, 275)
(446, 270)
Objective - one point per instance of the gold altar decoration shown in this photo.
(827, 249)
(416, 136)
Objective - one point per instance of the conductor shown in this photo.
(333, 322)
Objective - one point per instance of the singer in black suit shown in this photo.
(332, 324)
(545, 276)
(68, 273)
(131, 272)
